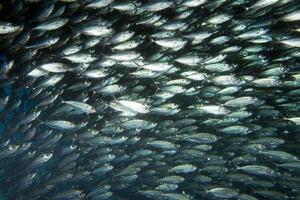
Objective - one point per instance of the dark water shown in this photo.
(11, 168)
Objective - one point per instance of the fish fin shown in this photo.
(137, 64)
(113, 97)
(40, 121)
(62, 100)
(205, 190)
(235, 165)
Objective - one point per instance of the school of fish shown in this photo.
(149, 99)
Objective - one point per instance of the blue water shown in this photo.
(23, 95)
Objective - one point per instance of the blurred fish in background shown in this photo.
(140, 99)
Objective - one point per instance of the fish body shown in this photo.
(160, 99)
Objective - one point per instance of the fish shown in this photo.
(8, 27)
(84, 107)
(60, 124)
(223, 192)
(128, 106)
(168, 100)
(53, 67)
(51, 24)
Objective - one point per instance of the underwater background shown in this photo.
(149, 99)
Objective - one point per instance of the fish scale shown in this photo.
(169, 100)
